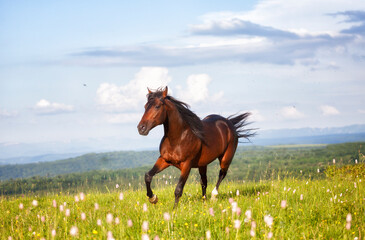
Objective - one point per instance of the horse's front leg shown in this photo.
(158, 167)
(185, 170)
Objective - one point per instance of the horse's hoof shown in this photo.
(214, 194)
(153, 199)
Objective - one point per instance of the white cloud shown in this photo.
(329, 110)
(131, 96)
(291, 113)
(197, 89)
(275, 32)
(122, 118)
(293, 15)
(256, 116)
(45, 107)
(7, 114)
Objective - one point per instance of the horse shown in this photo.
(188, 141)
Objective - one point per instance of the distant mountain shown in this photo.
(316, 139)
(39, 158)
(88, 145)
(310, 132)
(352, 133)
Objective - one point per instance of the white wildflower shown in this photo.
(145, 226)
(268, 220)
(283, 204)
(248, 214)
(237, 224)
(166, 216)
(129, 223)
(208, 234)
(82, 196)
(348, 217)
(234, 207)
(109, 218)
(74, 231)
(145, 237)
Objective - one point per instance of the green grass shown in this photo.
(320, 215)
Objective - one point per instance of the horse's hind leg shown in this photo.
(203, 180)
(225, 161)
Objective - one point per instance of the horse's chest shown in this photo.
(173, 156)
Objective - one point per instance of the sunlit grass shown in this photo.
(313, 210)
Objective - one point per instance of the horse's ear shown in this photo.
(149, 91)
(164, 93)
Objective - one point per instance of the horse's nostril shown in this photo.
(141, 128)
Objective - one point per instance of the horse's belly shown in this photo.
(207, 156)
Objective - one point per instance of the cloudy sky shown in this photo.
(80, 69)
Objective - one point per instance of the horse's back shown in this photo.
(218, 134)
(220, 123)
(213, 118)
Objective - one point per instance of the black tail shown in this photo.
(240, 122)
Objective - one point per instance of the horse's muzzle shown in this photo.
(142, 129)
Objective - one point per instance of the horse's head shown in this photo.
(155, 111)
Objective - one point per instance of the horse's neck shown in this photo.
(174, 126)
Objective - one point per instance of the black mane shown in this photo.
(189, 117)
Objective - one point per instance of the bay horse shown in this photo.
(189, 142)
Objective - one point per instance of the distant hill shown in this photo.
(84, 163)
(258, 157)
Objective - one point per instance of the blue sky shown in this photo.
(76, 70)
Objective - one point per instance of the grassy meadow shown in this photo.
(330, 208)
(287, 192)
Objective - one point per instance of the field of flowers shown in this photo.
(331, 208)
